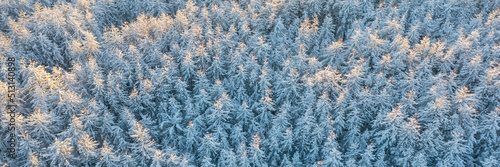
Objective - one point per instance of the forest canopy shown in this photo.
(251, 83)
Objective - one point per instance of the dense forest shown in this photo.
(250, 83)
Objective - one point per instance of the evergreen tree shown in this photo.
(171, 125)
(216, 69)
(40, 126)
(188, 67)
(228, 159)
(87, 150)
(207, 161)
(158, 159)
(59, 153)
(487, 92)
(331, 155)
(143, 147)
(107, 156)
(244, 160)
(264, 109)
(390, 125)
(208, 147)
(218, 120)
(192, 139)
(237, 135)
(287, 86)
(333, 54)
(367, 157)
(455, 156)
(488, 130)
(256, 156)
